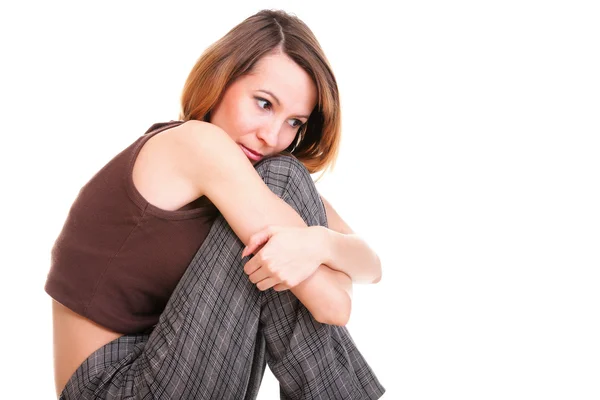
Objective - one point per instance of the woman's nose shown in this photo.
(268, 133)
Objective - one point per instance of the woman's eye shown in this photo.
(264, 104)
(296, 123)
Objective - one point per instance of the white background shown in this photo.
(470, 163)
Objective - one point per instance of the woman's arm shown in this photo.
(198, 158)
(347, 252)
(285, 256)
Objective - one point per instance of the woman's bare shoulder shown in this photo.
(189, 139)
(174, 166)
(191, 131)
(160, 169)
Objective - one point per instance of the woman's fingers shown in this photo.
(280, 287)
(259, 239)
(259, 275)
(256, 240)
(266, 284)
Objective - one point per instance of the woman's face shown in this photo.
(262, 111)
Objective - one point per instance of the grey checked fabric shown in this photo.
(218, 330)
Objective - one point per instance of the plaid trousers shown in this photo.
(218, 331)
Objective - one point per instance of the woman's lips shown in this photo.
(251, 154)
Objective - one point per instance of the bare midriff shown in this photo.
(75, 339)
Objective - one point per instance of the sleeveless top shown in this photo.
(118, 258)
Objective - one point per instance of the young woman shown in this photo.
(154, 293)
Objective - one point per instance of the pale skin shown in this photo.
(261, 111)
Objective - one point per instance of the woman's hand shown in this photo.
(284, 256)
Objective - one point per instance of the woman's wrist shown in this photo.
(325, 243)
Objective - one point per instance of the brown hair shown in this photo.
(236, 53)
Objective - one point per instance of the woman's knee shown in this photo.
(289, 179)
(282, 172)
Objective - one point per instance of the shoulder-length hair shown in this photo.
(235, 55)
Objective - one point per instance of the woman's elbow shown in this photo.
(377, 278)
(378, 274)
(337, 313)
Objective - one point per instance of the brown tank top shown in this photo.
(118, 258)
